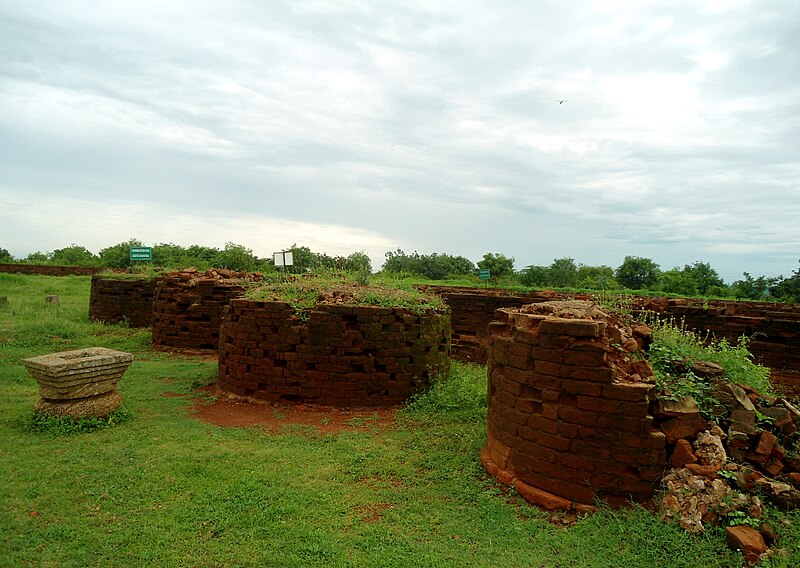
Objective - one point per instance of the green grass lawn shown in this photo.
(164, 489)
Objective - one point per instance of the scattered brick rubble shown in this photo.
(719, 470)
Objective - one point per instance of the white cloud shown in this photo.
(429, 126)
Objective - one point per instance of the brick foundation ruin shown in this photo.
(188, 306)
(774, 328)
(472, 310)
(346, 356)
(117, 300)
(47, 270)
(569, 414)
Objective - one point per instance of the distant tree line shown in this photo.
(635, 273)
(172, 256)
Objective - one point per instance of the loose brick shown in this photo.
(572, 327)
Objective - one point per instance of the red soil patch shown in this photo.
(371, 513)
(223, 409)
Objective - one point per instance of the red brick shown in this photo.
(585, 358)
(552, 369)
(568, 430)
(551, 355)
(594, 374)
(555, 442)
(524, 363)
(542, 424)
(581, 387)
(575, 416)
(630, 391)
(556, 343)
(529, 406)
(520, 350)
(572, 327)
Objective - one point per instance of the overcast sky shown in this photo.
(435, 126)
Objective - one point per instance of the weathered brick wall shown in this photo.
(568, 417)
(187, 310)
(114, 300)
(342, 356)
(45, 270)
(773, 329)
(472, 310)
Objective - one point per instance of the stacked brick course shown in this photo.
(568, 418)
(45, 270)
(473, 310)
(188, 306)
(115, 300)
(345, 356)
(773, 329)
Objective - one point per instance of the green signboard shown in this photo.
(142, 253)
(485, 274)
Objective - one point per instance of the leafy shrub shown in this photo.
(672, 343)
(64, 425)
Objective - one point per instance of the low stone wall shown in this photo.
(569, 416)
(45, 270)
(115, 300)
(346, 356)
(188, 306)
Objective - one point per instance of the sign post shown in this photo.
(485, 274)
(141, 254)
(283, 259)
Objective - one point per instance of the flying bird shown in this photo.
(560, 101)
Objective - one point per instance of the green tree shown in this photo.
(637, 272)
(236, 257)
(676, 281)
(535, 275)
(704, 277)
(119, 255)
(753, 288)
(596, 277)
(5, 256)
(498, 264)
(787, 289)
(38, 258)
(74, 255)
(358, 262)
(303, 260)
(169, 255)
(434, 266)
(564, 273)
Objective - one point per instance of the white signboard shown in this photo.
(283, 258)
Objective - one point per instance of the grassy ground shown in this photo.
(164, 489)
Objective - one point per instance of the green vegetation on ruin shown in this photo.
(306, 292)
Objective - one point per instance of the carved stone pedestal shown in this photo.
(80, 383)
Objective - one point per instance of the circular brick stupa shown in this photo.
(332, 354)
(569, 408)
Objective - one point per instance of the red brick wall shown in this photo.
(45, 270)
(187, 311)
(114, 300)
(566, 426)
(773, 329)
(342, 356)
(473, 310)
